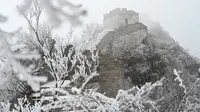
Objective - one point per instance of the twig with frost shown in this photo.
(138, 99)
(56, 11)
(22, 106)
(180, 80)
(186, 95)
(11, 61)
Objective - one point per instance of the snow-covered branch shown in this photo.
(56, 11)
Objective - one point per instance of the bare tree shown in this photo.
(90, 35)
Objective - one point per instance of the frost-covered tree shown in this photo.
(90, 35)
(56, 13)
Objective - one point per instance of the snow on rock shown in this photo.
(53, 84)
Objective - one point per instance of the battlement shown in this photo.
(119, 11)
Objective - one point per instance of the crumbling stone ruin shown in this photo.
(119, 18)
(126, 33)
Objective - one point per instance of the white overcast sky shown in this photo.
(181, 18)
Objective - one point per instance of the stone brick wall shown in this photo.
(117, 18)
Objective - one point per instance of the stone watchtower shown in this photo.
(118, 18)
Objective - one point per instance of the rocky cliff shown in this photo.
(139, 55)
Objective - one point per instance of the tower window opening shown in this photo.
(126, 21)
